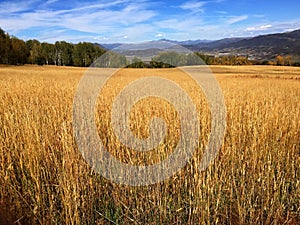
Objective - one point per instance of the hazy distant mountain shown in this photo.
(146, 50)
(213, 44)
(110, 46)
(188, 42)
(152, 44)
(263, 47)
(280, 40)
(271, 45)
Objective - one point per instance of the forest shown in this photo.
(15, 51)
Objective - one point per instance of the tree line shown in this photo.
(173, 59)
(15, 51)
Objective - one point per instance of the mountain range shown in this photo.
(263, 47)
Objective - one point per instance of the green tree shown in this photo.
(2, 46)
(78, 55)
(5, 47)
(169, 59)
(84, 54)
(18, 53)
(205, 58)
(88, 53)
(64, 53)
(136, 63)
(111, 60)
(35, 52)
(97, 52)
(48, 52)
(194, 59)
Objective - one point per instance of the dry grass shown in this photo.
(254, 180)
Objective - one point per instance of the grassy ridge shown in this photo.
(254, 180)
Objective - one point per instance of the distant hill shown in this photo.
(263, 47)
(110, 46)
(183, 43)
(147, 50)
(219, 44)
(188, 42)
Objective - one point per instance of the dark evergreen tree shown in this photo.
(18, 53)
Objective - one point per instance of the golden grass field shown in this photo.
(254, 180)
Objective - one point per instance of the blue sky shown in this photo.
(129, 21)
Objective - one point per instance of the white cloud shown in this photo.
(8, 7)
(265, 26)
(250, 29)
(99, 18)
(236, 19)
(259, 28)
(128, 21)
(159, 35)
(194, 6)
(275, 27)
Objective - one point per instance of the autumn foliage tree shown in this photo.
(284, 60)
(279, 60)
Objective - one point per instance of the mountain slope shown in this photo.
(263, 47)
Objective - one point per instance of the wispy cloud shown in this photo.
(8, 7)
(181, 24)
(276, 26)
(236, 19)
(194, 6)
(49, 2)
(111, 17)
(133, 20)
